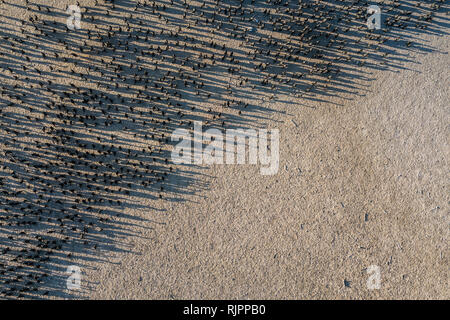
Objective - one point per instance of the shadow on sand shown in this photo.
(86, 115)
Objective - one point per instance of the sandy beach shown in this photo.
(301, 233)
(85, 126)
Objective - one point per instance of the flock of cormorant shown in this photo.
(86, 114)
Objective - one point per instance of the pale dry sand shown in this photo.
(363, 180)
(299, 234)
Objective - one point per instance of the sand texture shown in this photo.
(86, 177)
